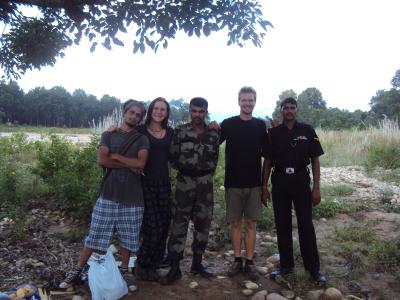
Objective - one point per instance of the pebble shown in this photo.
(275, 296)
(314, 295)
(268, 238)
(288, 294)
(247, 292)
(193, 285)
(260, 295)
(251, 285)
(333, 294)
(262, 270)
(274, 259)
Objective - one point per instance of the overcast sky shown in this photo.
(348, 49)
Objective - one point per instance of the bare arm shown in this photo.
(104, 159)
(265, 178)
(315, 192)
(132, 162)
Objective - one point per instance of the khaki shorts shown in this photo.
(243, 202)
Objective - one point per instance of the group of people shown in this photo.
(135, 198)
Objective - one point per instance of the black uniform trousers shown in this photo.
(288, 189)
(155, 224)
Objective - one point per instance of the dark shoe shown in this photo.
(251, 272)
(202, 271)
(281, 272)
(319, 278)
(173, 275)
(235, 268)
(152, 275)
(164, 262)
(129, 278)
(71, 278)
(141, 273)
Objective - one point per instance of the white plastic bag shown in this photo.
(105, 280)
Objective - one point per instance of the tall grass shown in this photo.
(361, 147)
(107, 121)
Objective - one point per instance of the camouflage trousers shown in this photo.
(193, 201)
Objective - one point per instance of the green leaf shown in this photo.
(93, 47)
(117, 42)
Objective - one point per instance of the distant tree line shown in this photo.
(56, 107)
(313, 109)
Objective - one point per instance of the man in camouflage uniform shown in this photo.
(194, 153)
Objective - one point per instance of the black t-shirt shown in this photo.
(293, 147)
(245, 144)
(157, 162)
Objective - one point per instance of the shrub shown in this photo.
(386, 155)
(17, 185)
(267, 221)
(329, 207)
(70, 172)
(337, 190)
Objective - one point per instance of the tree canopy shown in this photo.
(36, 41)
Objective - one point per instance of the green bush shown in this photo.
(383, 155)
(337, 190)
(329, 207)
(17, 184)
(70, 172)
(267, 222)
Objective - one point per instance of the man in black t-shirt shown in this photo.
(245, 138)
(291, 147)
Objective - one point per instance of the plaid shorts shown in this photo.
(108, 216)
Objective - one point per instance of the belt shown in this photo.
(195, 173)
(290, 170)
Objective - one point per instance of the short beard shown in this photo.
(247, 113)
(130, 125)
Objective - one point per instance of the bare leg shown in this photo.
(236, 238)
(84, 257)
(125, 254)
(250, 238)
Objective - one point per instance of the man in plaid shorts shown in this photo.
(120, 205)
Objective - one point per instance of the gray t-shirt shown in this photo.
(122, 185)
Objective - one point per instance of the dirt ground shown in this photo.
(51, 248)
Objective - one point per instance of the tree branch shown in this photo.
(57, 3)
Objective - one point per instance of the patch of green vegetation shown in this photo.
(270, 248)
(386, 194)
(337, 190)
(385, 253)
(385, 155)
(387, 175)
(329, 207)
(267, 222)
(75, 235)
(355, 233)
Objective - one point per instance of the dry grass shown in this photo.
(349, 147)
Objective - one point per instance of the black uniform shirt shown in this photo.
(293, 147)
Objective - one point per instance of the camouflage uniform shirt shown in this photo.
(193, 154)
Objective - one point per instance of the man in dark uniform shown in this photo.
(292, 145)
(194, 153)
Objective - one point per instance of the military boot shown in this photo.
(198, 268)
(173, 275)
